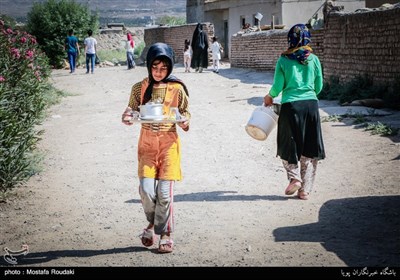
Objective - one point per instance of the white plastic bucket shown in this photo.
(262, 121)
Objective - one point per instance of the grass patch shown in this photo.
(333, 118)
(114, 56)
(359, 119)
(53, 96)
(381, 129)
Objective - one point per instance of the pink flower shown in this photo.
(33, 41)
(23, 40)
(9, 31)
(29, 54)
(2, 79)
(15, 53)
(37, 74)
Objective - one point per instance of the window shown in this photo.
(256, 21)
(242, 21)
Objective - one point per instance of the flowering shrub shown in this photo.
(24, 72)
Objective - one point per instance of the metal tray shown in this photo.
(139, 120)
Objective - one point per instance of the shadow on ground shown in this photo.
(219, 196)
(44, 257)
(247, 76)
(361, 231)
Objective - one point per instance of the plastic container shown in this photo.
(261, 123)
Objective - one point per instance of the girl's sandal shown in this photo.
(302, 195)
(293, 186)
(166, 246)
(147, 237)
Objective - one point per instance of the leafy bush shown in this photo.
(23, 76)
(139, 49)
(50, 22)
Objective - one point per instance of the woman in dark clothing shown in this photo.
(298, 76)
(200, 49)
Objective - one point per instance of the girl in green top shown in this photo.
(298, 76)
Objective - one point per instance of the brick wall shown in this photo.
(364, 43)
(261, 50)
(257, 50)
(174, 36)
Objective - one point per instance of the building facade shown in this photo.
(229, 16)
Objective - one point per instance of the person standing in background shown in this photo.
(298, 75)
(216, 53)
(90, 51)
(187, 55)
(72, 47)
(130, 48)
(200, 49)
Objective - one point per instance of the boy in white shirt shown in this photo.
(90, 50)
(216, 53)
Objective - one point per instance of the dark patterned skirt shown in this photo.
(299, 131)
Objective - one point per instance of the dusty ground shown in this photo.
(230, 209)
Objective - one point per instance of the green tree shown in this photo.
(50, 22)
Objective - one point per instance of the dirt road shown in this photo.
(83, 209)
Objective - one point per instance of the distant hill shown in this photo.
(109, 10)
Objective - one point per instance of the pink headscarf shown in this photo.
(129, 36)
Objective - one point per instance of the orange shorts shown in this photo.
(159, 155)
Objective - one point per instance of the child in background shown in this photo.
(216, 53)
(130, 48)
(187, 55)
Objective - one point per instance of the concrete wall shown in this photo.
(174, 36)
(301, 11)
(194, 11)
(219, 28)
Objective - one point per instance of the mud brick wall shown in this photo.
(257, 50)
(317, 43)
(174, 36)
(363, 43)
(261, 50)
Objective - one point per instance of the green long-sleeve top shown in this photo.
(297, 81)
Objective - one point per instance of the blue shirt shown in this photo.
(71, 42)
